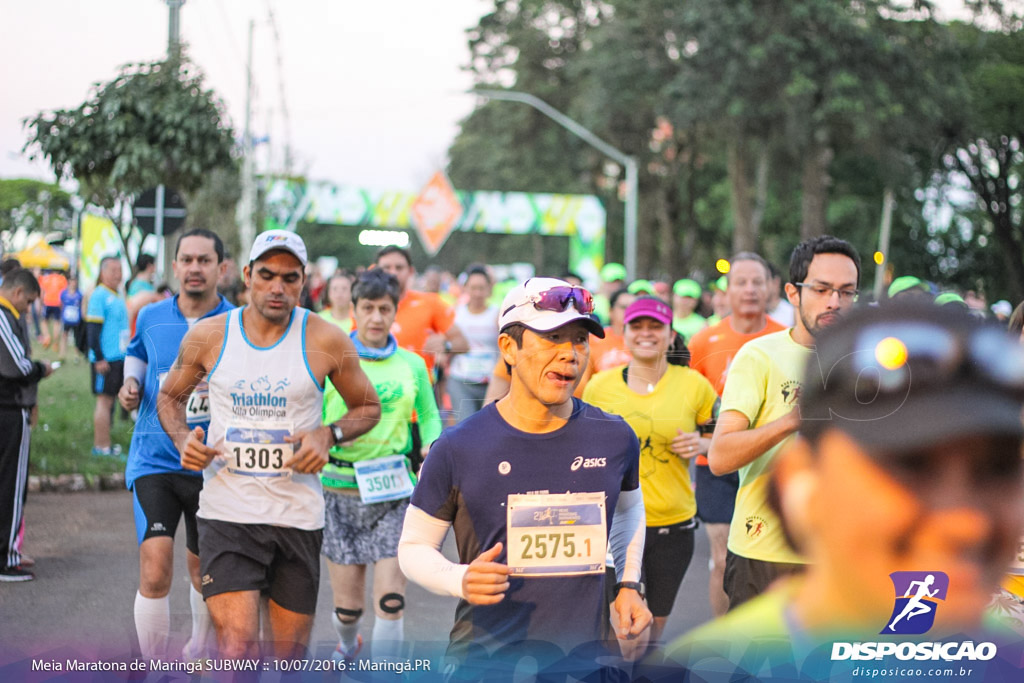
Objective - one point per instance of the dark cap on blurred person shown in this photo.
(911, 375)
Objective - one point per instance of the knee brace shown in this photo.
(392, 603)
(348, 616)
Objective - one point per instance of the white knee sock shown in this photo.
(348, 633)
(153, 624)
(388, 635)
(203, 642)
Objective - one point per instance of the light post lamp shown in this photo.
(629, 237)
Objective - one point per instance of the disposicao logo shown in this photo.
(917, 599)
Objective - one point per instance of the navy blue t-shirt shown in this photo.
(466, 480)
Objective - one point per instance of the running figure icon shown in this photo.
(916, 605)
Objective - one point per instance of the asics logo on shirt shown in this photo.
(586, 463)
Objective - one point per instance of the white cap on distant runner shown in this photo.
(278, 239)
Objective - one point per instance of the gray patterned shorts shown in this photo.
(357, 533)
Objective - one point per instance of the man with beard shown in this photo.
(711, 353)
(757, 417)
(163, 491)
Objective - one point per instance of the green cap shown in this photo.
(686, 287)
(902, 284)
(613, 271)
(950, 298)
(638, 286)
(721, 284)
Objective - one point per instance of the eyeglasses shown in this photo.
(557, 299)
(826, 291)
(886, 358)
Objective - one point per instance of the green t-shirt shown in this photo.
(764, 384)
(403, 386)
(345, 324)
(690, 325)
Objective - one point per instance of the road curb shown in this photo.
(73, 483)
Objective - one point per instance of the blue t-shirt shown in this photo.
(466, 480)
(108, 308)
(71, 307)
(159, 330)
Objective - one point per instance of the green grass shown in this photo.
(62, 440)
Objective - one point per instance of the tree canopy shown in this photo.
(155, 123)
(757, 124)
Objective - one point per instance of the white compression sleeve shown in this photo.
(135, 367)
(419, 554)
(626, 539)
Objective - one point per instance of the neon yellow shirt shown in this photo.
(403, 386)
(764, 384)
(345, 324)
(682, 399)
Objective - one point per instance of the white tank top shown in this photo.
(257, 396)
(481, 331)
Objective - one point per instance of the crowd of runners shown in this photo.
(575, 444)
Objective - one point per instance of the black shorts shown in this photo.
(716, 496)
(667, 554)
(161, 500)
(280, 562)
(51, 312)
(110, 383)
(746, 578)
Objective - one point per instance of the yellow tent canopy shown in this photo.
(42, 255)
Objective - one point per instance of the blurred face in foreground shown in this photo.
(956, 507)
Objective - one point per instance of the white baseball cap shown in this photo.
(278, 239)
(520, 306)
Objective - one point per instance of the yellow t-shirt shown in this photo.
(764, 384)
(682, 399)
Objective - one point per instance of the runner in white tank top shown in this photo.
(258, 396)
(261, 512)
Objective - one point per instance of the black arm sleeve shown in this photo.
(93, 330)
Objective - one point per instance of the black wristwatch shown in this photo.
(638, 586)
(336, 433)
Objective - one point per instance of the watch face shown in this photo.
(336, 433)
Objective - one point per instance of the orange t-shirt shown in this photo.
(421, 314)
(713, 348)
(608, 353)
(51, 285)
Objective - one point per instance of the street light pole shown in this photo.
(629, 238)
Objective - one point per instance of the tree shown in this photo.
(34, 205)
(985, 136)
(153, 124)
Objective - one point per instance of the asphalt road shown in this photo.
(87, 571)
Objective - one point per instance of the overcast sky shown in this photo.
(373, 88)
